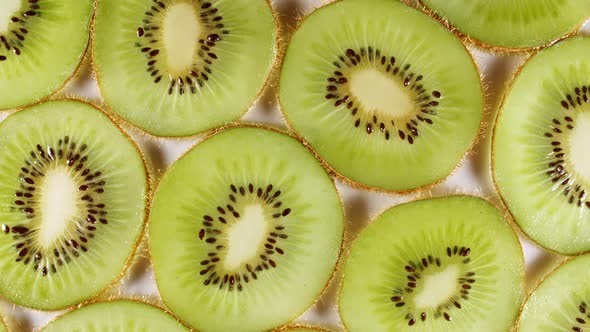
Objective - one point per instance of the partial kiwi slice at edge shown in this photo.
(245, 231)
(383, 93)
(42, 43)
(443, 264)
(512, 25)
(116, 315)
(540, 156)
(73, 191)
(561, 302)
(179, 67)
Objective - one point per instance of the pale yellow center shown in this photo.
(58, 203)
(181, 30)
(579, 141)
(245, 237)
(437, 288)
(8, 8)
(379, 93)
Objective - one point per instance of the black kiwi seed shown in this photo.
(70, 155)
(210, 20)
(13, 41)
(265, 194)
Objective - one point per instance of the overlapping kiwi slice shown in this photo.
(509, 24)
(117, 315)
(178, 67)
(73, 194)
(541, 162)
(445, 264)
(384, 94)
(245, 231)
(41, 44)
(561, 301)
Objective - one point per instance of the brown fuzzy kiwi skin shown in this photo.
(427, 196)
(233, 125)
(83, 57)
(495, 49)
(358, 185)
(147, 200)
(138, 300)
(504, 204)
(270, 74)
(298, 327)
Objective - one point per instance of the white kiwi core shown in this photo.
(437, 288)
(181, 31)
(8, 8)
(246, 236)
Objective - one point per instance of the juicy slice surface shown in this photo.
(179, 67)
(446, 264)
(560, 302)
(513, 23)
(245, 231)
(540, 149)
(383, 93)
(41, 45)
(73, 190)
(116, 316)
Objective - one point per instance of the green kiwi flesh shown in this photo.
(179, 67)
(444, 264)
(541, 163)
(73, 196)
(512, 24)
(385, 95)
(245, 231)
(41, 45)
(560, 302)
(116, 316)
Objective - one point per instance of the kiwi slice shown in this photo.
(41, 45)
(245, 231)
(301, 328)
(384, 94)
(445, 264)
(541, 163)
(178, 67)
(560, 302)
(117, 315)
(510, 25)
(73, 194)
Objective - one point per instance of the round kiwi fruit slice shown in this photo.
(179, 67)
(444, 264)
(73, 199)
(560, 302)
(245, 231)
(509, 25)
(385, 95)
(116, 315)
(540, 154)
(32, 65)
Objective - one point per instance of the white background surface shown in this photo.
(472, 177)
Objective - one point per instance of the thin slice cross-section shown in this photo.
(444, 264)
(116, 315)
(245, 231)
(385, 95)
(179, 67)
(541, 155)
(74, 196)
(42, 43)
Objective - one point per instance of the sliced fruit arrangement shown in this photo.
(560, 302)
(512, 25)
(178, 67)
(117, 315)
(245, 231)
(540, 153)
(32, 65)
(445, 264)
(384, 94)
(73, 194)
